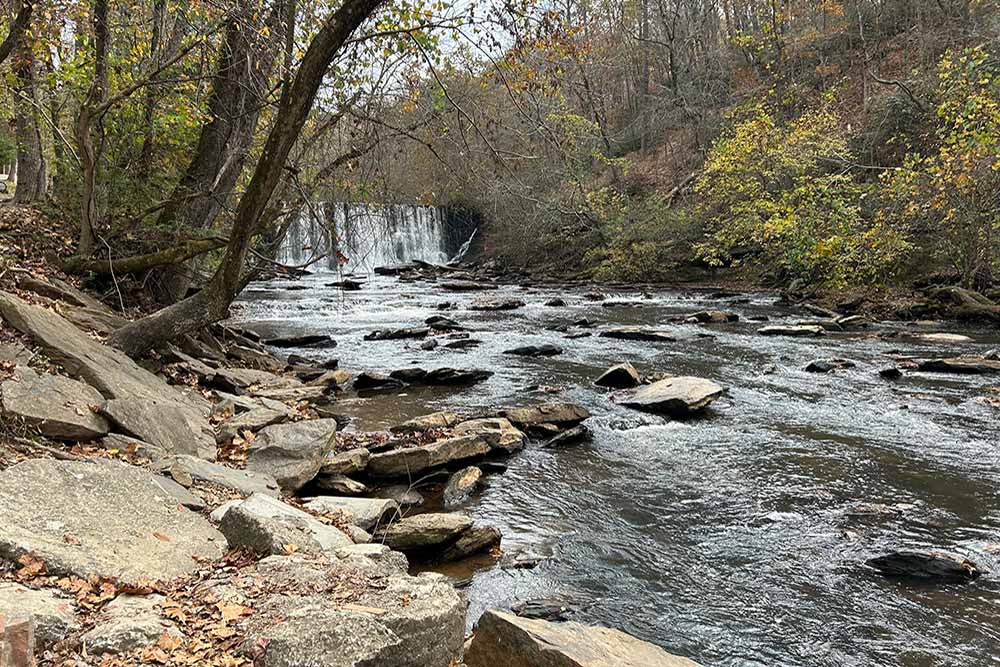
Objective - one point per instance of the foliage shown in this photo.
(953, 193)
(769, 192)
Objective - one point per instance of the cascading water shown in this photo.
(368, 236)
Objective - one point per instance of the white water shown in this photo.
(368, 236)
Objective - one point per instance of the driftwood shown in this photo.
(140, 263)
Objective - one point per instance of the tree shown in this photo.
(32, 180)
(211, 304)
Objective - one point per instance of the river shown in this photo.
(737, 539)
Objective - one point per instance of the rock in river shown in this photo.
(462, 485)
(934, 565)
(398, 334)
(561, 414)
(797, 330)
(60, 408)
(496, 304)
(426, 530)
(292, 453)
(371, 381)
(639, 333)
(827, 365)
(304, 340)
(676, 396)
(442, 419)
(497, 431)
(545, 350)
(511, 641)
(622, 376)
(961, 365)
(102, 518)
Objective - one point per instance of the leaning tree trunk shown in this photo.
(212, 303)
(31, 177)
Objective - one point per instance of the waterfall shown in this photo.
(367, 235)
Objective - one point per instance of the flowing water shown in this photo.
(737, 539)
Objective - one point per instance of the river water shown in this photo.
(736, 539)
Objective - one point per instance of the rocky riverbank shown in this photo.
(204, 508)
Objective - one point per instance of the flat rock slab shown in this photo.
(368, 513)
(442, 419)
(961, 366)
(106, 369)
(174, 428)
(546, 350)
(52, 614)
(473, 541)
(346, 463)
(251, 420)
(676, 396)
(498, 432)
(462, 485)
(267, 526)
(58, 407)
(292, 453)
(245, 482)
(562, 414)
(496, 304)
(511, 641)
(104, 518)
(426, 530)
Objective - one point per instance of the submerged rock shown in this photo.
(934, 565)
(511, 641)
(568, 437)
(555, 303)
(891, 373)
(58, 407)
(622, 376)
(496, 304)
(102, 518)
(676, 396)
(797, 330)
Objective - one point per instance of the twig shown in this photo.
(55, 453)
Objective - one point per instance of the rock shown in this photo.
(244, 482)
(429, 344)
(960, 365)
(676, 396)
(425, 530)
(934, 565)
(368, 513)
(461, 486)
(106, 519)
(713, 317)
(397, 334)
(442, 419)
(562, 414)
(59, 290)
(944, 338)
(408, 375)
(15, 353)
(465, 286)
(402, 494)
(125, 444)
(463, 344)
(442, 323)
(473, 541)
(175, 428)
(622, 303)
(453, 450)
(254, 358)
(128, 622)
(58, 407)
(827, 365)
(546, 609)
(341, 484)
(347, 284)
(498, 432)
(304, 340)
(555, 303)
(594, 296)
(180, 493)
(511, 641)
(372, 381)
(104, 368)
(578, 335)
(395, 620)
(496, 304)
(346, 463)
(455, 377)
(568, 437)
(639, 333)
(292, 453)
(405, 462)
(792, 330)
(267, 525)
(622, 376)
(252, 420)
(891, 373)
(545, 350)
(51, 614)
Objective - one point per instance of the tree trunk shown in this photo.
(212, 303)
(18, 25)
(84, 130)
(31, 177)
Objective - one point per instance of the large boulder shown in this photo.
(102, 518)
(368, 513)
(58, 407)
(292, 453)
(475, 540)
(622, 376)
(269, 526)
(926, 565)
(50, 613)
(511, 641)
(676, 396)
(174, 428)
(498, 432)
(561, 414)
(106, 369)
(544, 350)
(128, 622)
(455, 377)
(244, 482)
(394, 619)
(425, 530)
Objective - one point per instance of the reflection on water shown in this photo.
(734, 539)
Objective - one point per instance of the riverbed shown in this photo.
(738, 538)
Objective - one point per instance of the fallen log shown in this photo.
(140, 263)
